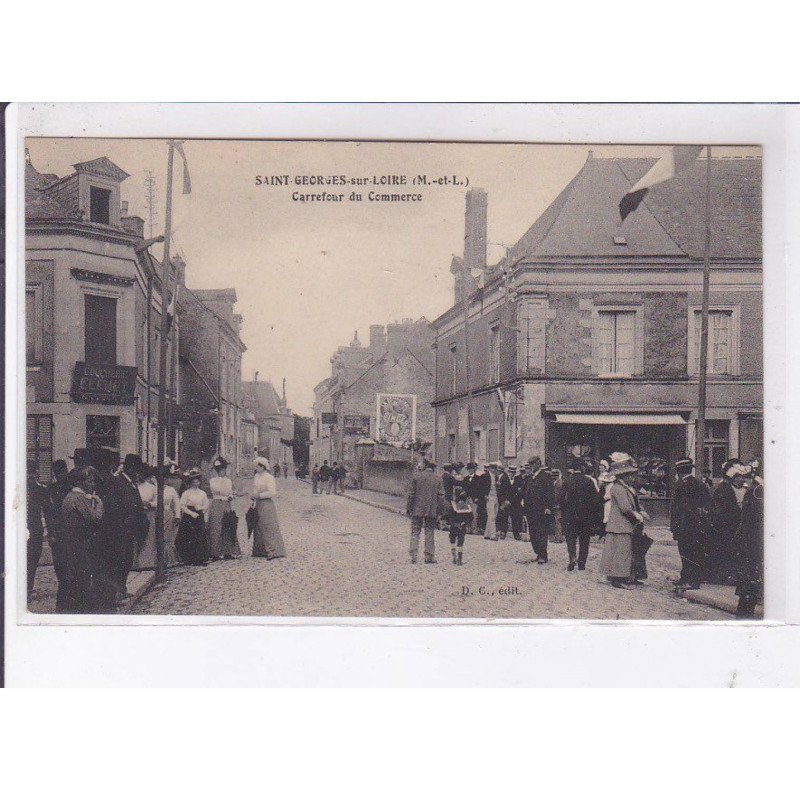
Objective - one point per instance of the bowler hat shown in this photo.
(132, 461)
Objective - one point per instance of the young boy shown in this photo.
(460, 520)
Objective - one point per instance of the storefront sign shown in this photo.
(107, 385)
(386, 452)
(329, 417)
(356, 425)
(397, 418)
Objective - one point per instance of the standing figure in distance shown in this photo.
(579, 512)
(749, 548)
(267, 539)
(425, 501)
(539, 499)
(460, 521)
(688, 522)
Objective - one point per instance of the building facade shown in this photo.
(380, 393)
(585, 339)
(93, 305)
(210, 358)
(274, 422)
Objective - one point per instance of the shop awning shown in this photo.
(621, 419)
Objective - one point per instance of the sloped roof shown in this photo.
(584, 219)
(39, 205)
(267, 400)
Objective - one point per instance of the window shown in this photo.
(723, 341)
(616, 342)
(33, 325)
(451, 448)
(100, 330)
(492, 445)
(102, 431)
(716, 445)
(453, 370)
(494, 354)
(39, 444)
(99, 205)
(478, 453)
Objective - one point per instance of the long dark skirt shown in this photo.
(267, 539)
(191, 543)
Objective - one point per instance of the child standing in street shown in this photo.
(460, 520)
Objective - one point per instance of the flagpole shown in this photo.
(700, 436)
(162, 371)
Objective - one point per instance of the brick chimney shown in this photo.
(133, 224)
(474, 244)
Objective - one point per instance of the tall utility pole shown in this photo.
(150, 199)
(162, 369)
(700, 435)
(465, 308)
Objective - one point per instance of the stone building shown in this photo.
(210, 358)
(585, 338)
(93, 305)
(274, 422)
(380, 393)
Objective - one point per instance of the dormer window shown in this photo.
(99, 205)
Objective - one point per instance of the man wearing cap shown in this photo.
(538, 501)
(688, 521)
(425, 503)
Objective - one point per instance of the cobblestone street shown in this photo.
(349, 559)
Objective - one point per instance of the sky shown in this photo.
(309, 274)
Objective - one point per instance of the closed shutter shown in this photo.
(100, 330)
(605, 343)
(39, 444)
(625, 338)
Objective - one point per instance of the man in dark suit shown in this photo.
(539, 499)
(425, 501)
(503, 502)
(480, 484)
(123, 521)
(515, 498)
(447, 482)
(579, 513)
(688, 520)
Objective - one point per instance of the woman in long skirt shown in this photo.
(267, 539)
(623, 519)
(172, 515)
(191, 543)
(221, 496)
(144, 556)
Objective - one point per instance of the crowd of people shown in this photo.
(328, 479)
(719, 530)
(99, 519)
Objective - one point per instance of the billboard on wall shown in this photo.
(396, 418)
(356, 425)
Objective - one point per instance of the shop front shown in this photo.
(655, 441)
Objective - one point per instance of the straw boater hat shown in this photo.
(622, 464)
(683, 466)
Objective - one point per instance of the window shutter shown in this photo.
(100, 330)
(605, 342)
(625, 338)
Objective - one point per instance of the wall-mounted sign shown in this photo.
(329, 417)
(396, 418)
(109, 385)
(356, 425)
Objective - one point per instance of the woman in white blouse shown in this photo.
(267, 539)
(222, 542)
(144, 554)
(191, 543)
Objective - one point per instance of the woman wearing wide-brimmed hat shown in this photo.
(191, 544)
(267, 539)
(221, 544)
(622, 524)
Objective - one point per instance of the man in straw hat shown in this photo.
(688, 521)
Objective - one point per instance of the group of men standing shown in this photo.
(328, 478)
(93, 515)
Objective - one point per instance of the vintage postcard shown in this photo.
(392, 379)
